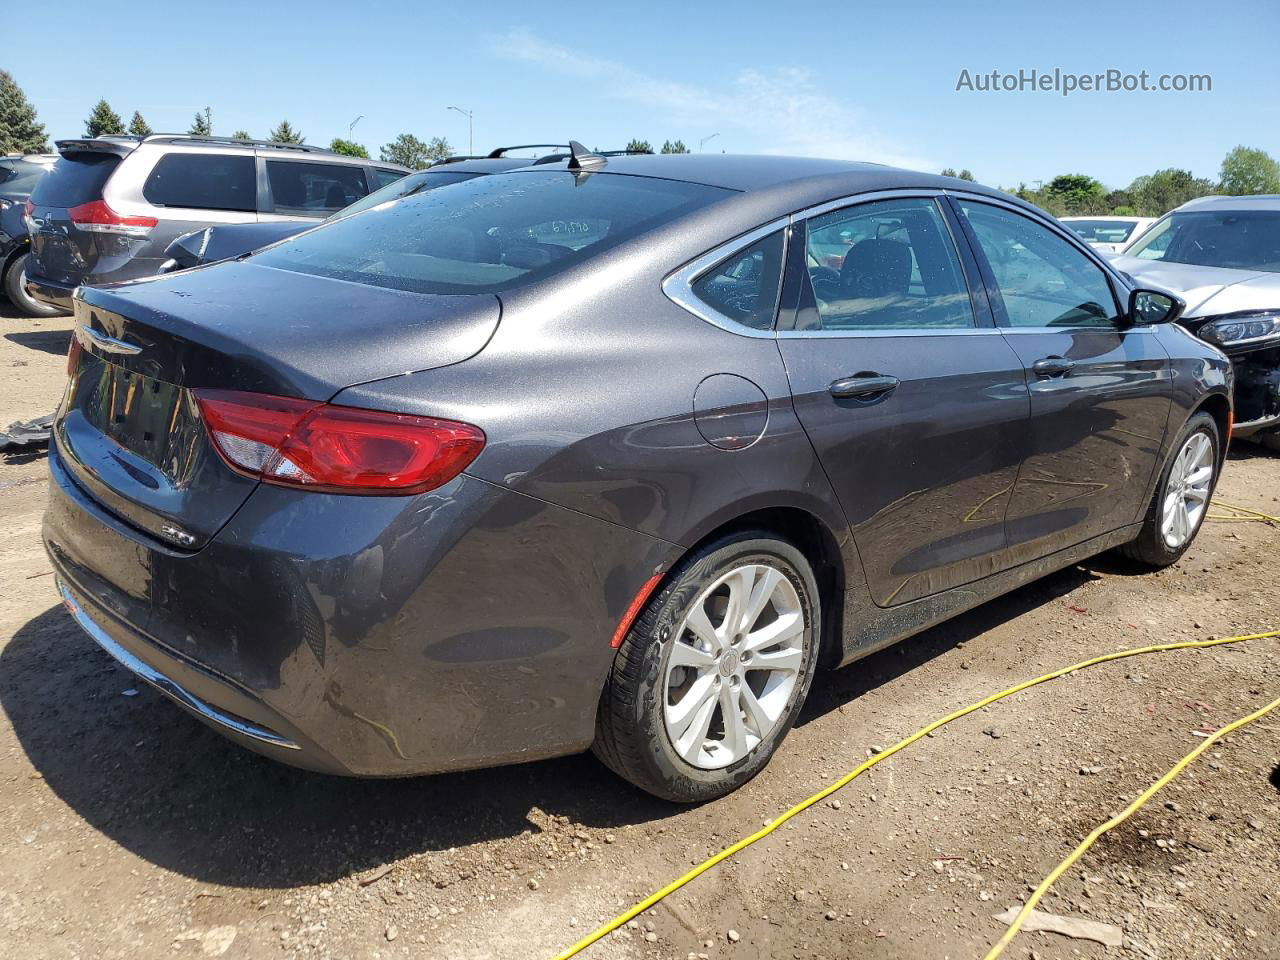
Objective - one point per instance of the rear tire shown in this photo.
(15, 288)
(667, 725)
(1165, 535)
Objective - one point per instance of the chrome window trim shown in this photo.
(164, 684)
(855, 199)
(678, 285)
(889, 333)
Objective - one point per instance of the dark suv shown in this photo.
(18, 177)
(111, 205)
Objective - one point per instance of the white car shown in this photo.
(1110, 235)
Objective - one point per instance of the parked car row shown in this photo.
(609, 452)
(1109, 234)
(18, 177)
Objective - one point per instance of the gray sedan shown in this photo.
(610, 453)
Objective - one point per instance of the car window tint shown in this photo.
(383, 177)
(75, 179)
(744, 287)
(888, 264)
(203, 181)
(314, 189)
(1235, 239)
(490, 233)
(1043, 280)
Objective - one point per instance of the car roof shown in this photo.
(1262, 201)
(802, 180)
(1108, 219)
(480, 164)
(125, 144)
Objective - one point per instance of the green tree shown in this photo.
(408, 151)
(19, 131)
(1248, 170)
(286, 134)
(676, 147)
(202, 126)
(103, 121)
(965, 175)
(438, 148)
(348, 148)
(1124, 210)
(241, 135)
(948, 171)
(639, 146)
(1163, 190)
(139, 127)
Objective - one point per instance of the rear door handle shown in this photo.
(1053, 367)
(862, 385)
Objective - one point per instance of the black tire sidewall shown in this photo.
(681, 780)
(19, 297)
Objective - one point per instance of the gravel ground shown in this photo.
(129, 830)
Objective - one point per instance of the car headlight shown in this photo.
(1232, 331)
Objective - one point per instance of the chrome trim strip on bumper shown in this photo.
(165, 685)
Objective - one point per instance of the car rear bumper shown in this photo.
(367, 636)
(54, 294)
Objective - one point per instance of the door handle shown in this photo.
(862, 385)
(1053, 367)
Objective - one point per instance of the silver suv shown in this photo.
(111, 205)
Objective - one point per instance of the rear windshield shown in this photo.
(404, 187)
(1238, 239)
(74, 179)
(490, 233)
(1101, 231)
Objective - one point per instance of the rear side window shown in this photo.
(889, 264)
(75, 179)
(314, 189)
(490, 233)
(744, 287)
(383, 177)
(203, 181)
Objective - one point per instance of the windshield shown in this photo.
(1236, 239)
(490, 233)
(404, 187)
(1102, 231)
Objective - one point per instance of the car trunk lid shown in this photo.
(130, 430)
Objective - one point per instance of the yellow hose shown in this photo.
(1115, 821)
(1252, 515)
(867, 764)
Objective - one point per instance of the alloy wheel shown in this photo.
(733, 666)
(1186, 494)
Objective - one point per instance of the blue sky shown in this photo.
(849, 80)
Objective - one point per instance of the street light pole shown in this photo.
(469, 114)
(703, 142)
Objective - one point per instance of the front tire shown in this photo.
(713, 673)
(1182, 495)
(15, 288)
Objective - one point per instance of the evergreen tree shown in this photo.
(103, 121)
(285, 134)
(139, 127)
(639, 146)
(676, 147)
(202, 125)
(19, 131)
(241, 135)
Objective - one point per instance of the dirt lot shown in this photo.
(129, 830)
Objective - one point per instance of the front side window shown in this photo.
(314, 189)
(1236, 239)
(1043, 280)
(744, 286)
(888, 264)
(203, 181)
(491, 233)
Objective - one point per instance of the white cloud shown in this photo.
(781, 111)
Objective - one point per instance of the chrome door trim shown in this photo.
(889, 333)
(678, 285)
(165, 685)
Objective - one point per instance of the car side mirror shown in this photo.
(1148, 307)
(187, 251)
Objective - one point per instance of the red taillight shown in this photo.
(96, 217)
(337, 449)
